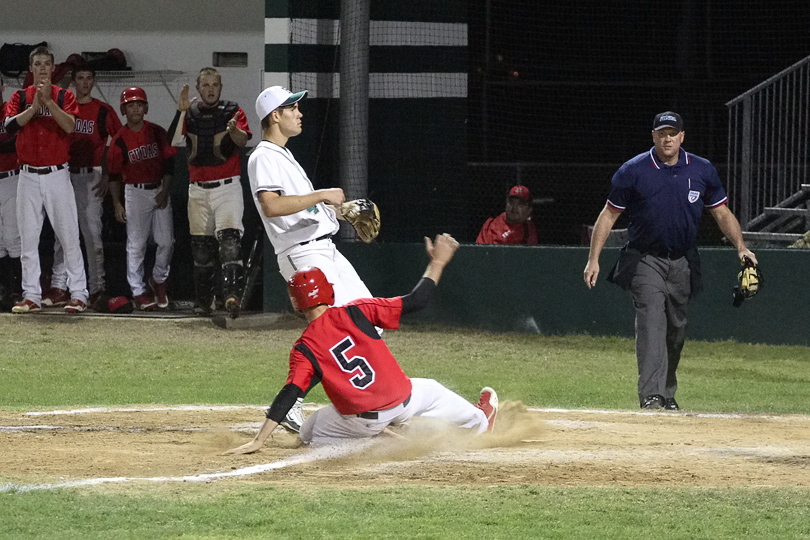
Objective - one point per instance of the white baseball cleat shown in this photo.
(488, 402)
(295, 417)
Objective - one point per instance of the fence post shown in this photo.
(745, 180)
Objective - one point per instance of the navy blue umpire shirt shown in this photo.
(664, 203)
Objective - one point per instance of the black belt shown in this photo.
(149, 185)
(672, 255)
(81, 170)
(374, 415)
(214, 184)
(42, 170)
(324, 237)
(6, 174)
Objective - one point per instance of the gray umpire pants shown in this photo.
(660, 290)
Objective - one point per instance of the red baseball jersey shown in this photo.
(95, 123)
(8, 145)
(232, 167)
(342, 350)
(139, 155)
(498, 231)
(41, 142)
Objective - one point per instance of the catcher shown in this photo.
(300, 220)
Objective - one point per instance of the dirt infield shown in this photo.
(547, 447)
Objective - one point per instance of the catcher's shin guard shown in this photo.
(204, 251)
(233, 271)
(233, 277)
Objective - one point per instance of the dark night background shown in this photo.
(573, 88)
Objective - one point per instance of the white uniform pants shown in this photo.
(89, 207)
(9, 233)
(51, 194)
(323, 254)
(215, 209)
(428, 398)
(144, 220)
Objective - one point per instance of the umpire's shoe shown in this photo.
(670, 404)
(655, 401)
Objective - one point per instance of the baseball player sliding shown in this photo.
(141, 157)
(298, 219)
(42, 115)
(341, 349)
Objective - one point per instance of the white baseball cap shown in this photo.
(274, 97)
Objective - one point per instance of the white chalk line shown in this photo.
(735, 416)
(315, 454)
(314, 406)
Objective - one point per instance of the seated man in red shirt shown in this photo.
(342, 350)
(515, 226)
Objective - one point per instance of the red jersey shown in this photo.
(8, 145)
(95, 123)
(41, 142)
(342, 350)
(139, 155)
(209, 141)
(498, 231)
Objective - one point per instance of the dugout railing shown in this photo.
(767, 174)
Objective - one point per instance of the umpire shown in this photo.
(664, 192)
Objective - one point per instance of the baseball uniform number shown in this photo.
(350, 365)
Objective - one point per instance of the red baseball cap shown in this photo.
(521, 192)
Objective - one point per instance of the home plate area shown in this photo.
(52, 449)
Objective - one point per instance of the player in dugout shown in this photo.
(341, 349)
(515, 225)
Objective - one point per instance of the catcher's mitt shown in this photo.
(749, 281)
(364, 217)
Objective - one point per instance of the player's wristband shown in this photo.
(283, 403)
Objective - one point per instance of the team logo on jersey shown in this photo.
(693, 195)
(143, 152)
(86, 127)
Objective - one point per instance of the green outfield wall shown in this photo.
(540, 289)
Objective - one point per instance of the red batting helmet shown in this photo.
(308, 287)
(133, 93)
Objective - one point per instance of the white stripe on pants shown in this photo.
(89, 207)
(51, 194)
(145, 220)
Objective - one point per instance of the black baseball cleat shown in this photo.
(654, 401)
(670, 404)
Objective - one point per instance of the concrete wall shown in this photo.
(540, 289)
(178, 35)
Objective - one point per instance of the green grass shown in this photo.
(409, 512)
(48, 362)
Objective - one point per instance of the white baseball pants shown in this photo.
(145, 220)
(9, 232)
(89, 207)
(51, 194)
(323, 254)
(212, 210)
(428, 398)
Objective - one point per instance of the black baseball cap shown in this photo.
(668, 119)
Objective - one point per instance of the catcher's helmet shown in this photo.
(133, 93)
(308, 288)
